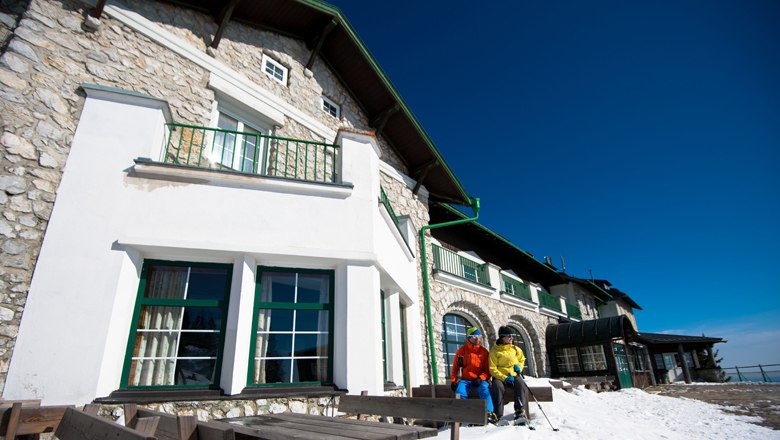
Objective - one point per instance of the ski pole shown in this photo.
(537, 403)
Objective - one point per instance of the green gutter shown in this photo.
(426, 284)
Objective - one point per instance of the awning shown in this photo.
(590, 332)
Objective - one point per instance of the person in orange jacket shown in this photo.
(472, 361)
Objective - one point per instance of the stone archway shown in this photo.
(534, 357)
(475, 316)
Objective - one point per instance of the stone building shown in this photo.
(205, 203)
(218, 209)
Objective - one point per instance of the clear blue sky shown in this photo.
(639, 140)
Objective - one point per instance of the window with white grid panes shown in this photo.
(593, 358)
(567, 360)
(274, 69)
(453, 336)
(330, 107)
(178, 328)
(239, 146)
(292, 328)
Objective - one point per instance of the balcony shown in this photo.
(573, 311)
(251, 153)
(515, 288)
(549, 301)
(450, 262)
(386, 202)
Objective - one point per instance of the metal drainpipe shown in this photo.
(426, 287)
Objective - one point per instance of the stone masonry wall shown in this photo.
(487, 314)
(44, 58)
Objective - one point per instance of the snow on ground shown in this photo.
(629, 414)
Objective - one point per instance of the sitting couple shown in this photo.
(503, 363)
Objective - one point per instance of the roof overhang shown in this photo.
(328, 34)
(656, 339)
(490, 246)
(592, 331)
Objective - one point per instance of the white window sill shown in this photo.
(511, 299)
(550, 312)
(464, 284)
(204, 176)
(396, 233)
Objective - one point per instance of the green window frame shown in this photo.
(292, 328)
(453, 336)
(177, 333)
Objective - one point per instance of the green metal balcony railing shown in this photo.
(251, 153)
(573, 311)
(386, 201)
(448, 261)
(516, 288)
(549, 301)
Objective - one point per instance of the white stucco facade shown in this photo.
(113, 213)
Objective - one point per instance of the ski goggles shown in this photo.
(506, 335)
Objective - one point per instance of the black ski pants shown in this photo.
(497, 390)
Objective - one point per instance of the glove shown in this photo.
(510, 380)
(454, 386)
(476, 382)
(518, 370)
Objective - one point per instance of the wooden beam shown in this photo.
(379, 121)
(422, 172)
(222, 20)
(97, 11)
(321, 39)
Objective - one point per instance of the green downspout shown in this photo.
(426, 287)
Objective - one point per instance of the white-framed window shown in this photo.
(237, 145)
(274, 69)
(593, 358)
(330, 107)
(567, 360)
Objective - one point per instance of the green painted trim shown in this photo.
(140, 301)
(290, 306)
(475, 206)
(496, 235)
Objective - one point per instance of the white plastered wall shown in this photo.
(109, 217)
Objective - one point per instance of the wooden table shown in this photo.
(304, 427)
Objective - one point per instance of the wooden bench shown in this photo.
(27, 417)
(455, 411)
(79, 425)
(542, 394)
(172, 427)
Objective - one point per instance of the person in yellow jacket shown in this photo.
(506, 362)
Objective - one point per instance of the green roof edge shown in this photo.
(326, 7)
(495, 234)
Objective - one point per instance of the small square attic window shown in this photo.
(330, 107)
(274, 69)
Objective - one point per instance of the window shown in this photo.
(567, 360)
(274, 69)
(237, 146)
(453, 336)
(292, 328)
(593, 358)
(179, 324)
(330, 107)
(520, 341)
(470, 273)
